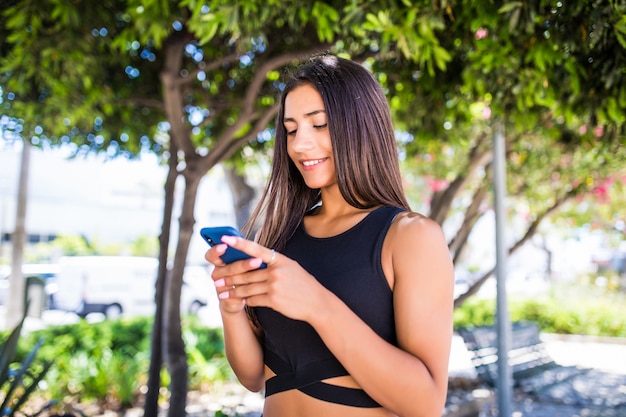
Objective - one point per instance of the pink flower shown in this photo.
(598, 131)
(435, 184)
(481, 33)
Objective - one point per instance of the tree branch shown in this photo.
(230, 147)
(472, 214)
(206, 67)
(442, 200)
(223, 142)
(532, 229)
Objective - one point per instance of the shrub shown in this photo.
(108, 361)
(19, 380)
(566, 311)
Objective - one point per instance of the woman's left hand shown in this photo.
(282, 285)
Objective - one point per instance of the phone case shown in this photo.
(213, 236)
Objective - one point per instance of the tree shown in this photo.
(16, 299)
(550, 72)
(116, 69)
(197, 81)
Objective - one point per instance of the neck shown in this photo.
(334, 205)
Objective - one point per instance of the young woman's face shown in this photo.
(308, 137)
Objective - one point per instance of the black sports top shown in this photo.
(349, 265)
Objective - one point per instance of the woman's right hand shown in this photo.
(232, 304)
(284, 285)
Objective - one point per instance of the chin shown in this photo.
(317, 185)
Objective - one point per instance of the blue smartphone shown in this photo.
(213, 236)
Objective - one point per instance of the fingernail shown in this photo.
(230, 240)
(256, 262)
(223, 295)
(220, 282)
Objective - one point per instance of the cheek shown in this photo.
(290, 154)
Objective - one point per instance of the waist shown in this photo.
(345, 381)
(312, 379)
(294, 403)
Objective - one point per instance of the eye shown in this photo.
(322, 126)
(290, 128)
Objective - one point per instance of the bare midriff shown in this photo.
(293, 403)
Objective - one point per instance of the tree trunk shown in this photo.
(172, 344)
(441, 201)
(472, 214)
(17, 282)
(151, 405)
(174, 347)
(196, 167)
(243, 195)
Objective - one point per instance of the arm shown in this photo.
(243, 351)
(242, 347)
(416, 373)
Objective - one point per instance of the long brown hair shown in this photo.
(364, 150)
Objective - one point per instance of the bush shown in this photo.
(565, 312)
(107, 362)
(19, 378)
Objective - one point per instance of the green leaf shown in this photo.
(506, 8)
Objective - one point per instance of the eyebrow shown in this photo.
(309, 114)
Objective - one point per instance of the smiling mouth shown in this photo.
(313, 162)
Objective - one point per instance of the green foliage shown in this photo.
(566, 311)
(108, 361)
(73, 245)
(95, 80)
(204, 368)
(19, 380)
(145, 246)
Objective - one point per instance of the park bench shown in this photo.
(532, 367)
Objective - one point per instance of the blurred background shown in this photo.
(126, 126)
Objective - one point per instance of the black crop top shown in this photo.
(349, 265)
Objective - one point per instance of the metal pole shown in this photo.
(505, 381)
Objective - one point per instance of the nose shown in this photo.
(302, 140)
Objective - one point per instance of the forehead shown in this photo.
(302, 101)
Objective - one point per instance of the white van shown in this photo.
(115, 285)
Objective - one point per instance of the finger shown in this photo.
(243, 291)
(237, 269)
(251, 248)
(213, 255)
(224, 290)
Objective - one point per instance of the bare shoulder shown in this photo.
(416, 243)
(415, 228)
(419, 255)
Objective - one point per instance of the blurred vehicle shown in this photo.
(116, 285)
(45, 272)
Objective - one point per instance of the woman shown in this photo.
(353, 314)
